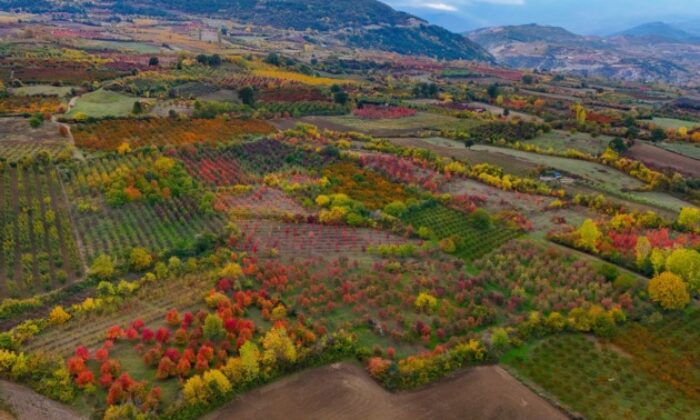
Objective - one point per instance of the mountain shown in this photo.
(367, 24)
(622, 57)
(659, 32)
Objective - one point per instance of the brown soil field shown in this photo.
(664, 159)
(28, 405)
(346, 391)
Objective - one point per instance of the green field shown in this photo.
(472, 242)
(125, 46)
(561, 141)
(103, 103)
(691, 150)
(420, 121)
(667, 123)
(48, 90)
(600, 382)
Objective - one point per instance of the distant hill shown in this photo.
(623, 57)
(490, 37)
(659, 32)
(360, 23)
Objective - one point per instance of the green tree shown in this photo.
(341, 97)
(247, 95)
(214, 328)
(618, 144)
(658, 134)
(493, 91)
(36, 120)
(137, 108)
(481, 219)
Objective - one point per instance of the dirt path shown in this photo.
(28, 405)
(346, 391)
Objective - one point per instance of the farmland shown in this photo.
(39, 248)
(609, 380)
(563, 141)
(660, 158)
(19, 139)
(109, 135)
(596, 176)
(402, 126)
(103, 103)
(209, 217)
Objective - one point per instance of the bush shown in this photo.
(102, 267)
(140, 259)
(481, 219)
(669, 291)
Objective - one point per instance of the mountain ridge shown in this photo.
(628, 56)
(361, 23)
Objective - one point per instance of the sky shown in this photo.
(586, 17)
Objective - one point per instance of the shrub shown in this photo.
(58, 315)
(140, 259)
(669, 290)
(481, 219)
(102, 267)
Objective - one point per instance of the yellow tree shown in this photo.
(581, 114)
(589, 234)
(669, 291)
(425, 302)
(196, 391)
(250, 361)
(689, 218)
(658, 260)
(278, 348)
(58, 315)
(140, 259)
(686, 264)
(642, 250)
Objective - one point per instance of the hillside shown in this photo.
(625, 57)
(361, 23)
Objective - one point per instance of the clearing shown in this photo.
(561, 141)
(103, 103)
(345, 391)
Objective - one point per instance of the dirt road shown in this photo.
(28, 405)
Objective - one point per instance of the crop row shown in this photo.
(168, 224)
(601, 384)
(473, 241)
(38, 245)
(259, 236)
(110, 134)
